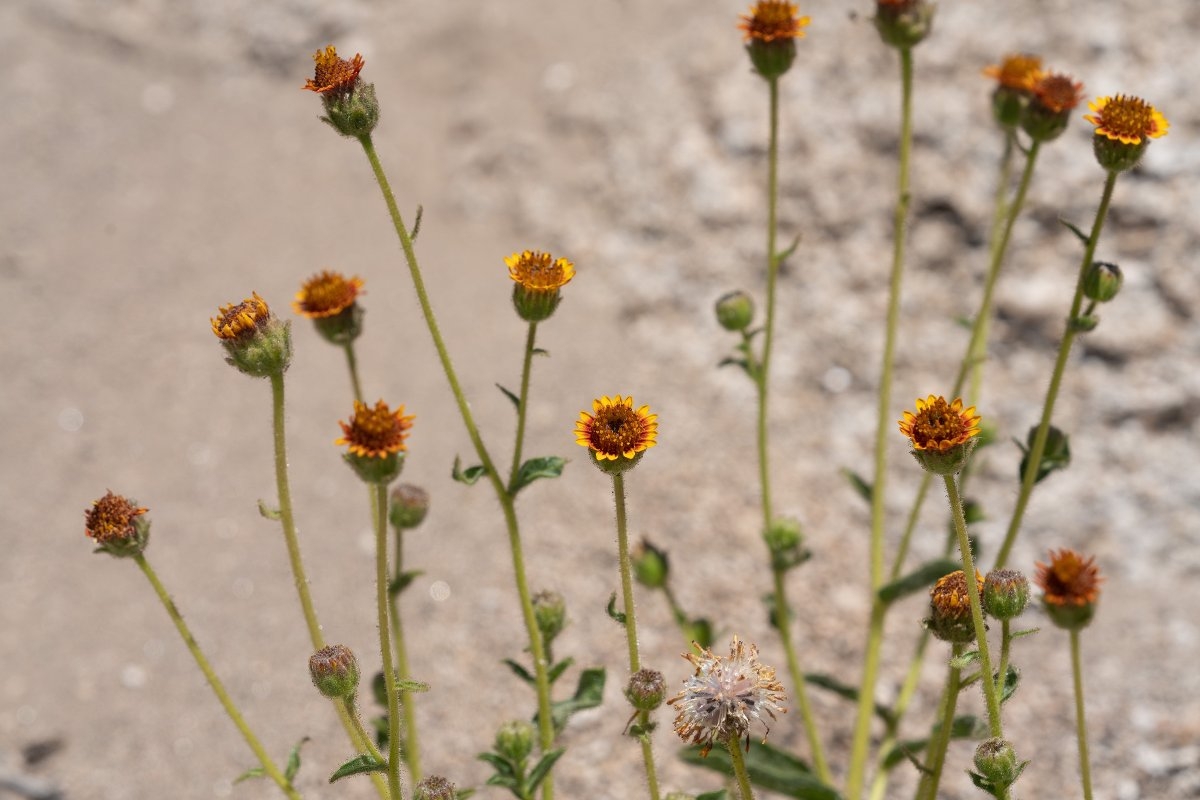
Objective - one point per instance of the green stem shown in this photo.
(412, 749)
(350, 706)
(762, 374)
(907, 691)
(218, 688)
(522, 405)
(385, 644)
(287, 521)
(866, 693)
(1085, 766)
(987, 677)
(1005, 649)
(352, 364)
(536, 647)
(935, 757)
(631, 637)
(739, 768)
(1064, 350)
(784, 623)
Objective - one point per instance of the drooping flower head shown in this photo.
(725, 695)
(350, 105)
(375, 439)
(1124, 127)
(770, 29)
(117, 525)
(255, 341)
(942, 434)
(330, 300)
(615, 433)
(950, 608)
(538, 278)
(1070, 587)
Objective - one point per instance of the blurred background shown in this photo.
(159, 160)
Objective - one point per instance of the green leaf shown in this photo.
(556, 671)
(965, 726)
(921, 578)
(401, 581)
(516, 401)
(406, 685)
(469, 475)
(253, 772)
(534, 468)
(720, 794)
(611, 608)
(1025, 632)
(520, 671)
(730, 361)
(982, 783)
(965, 660)
(589, 693)
(542, 769)
(786, 254)
(1011, 678)
(416, 228)
(505, 775)
(864, 489)
(269, 512)
(770, 768)
(463, 794)
(850, 693)
(537, 351)
(359, 765)
(293, 762)
(1083, 237)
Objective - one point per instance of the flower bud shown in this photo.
(650, 565)
(550, 611)
(1015, 76)
(514, 740)
(997, 763)
(256, 342)
(117, 525)
(950, 609)
(408, 507)
(770, 30)
(1102, 282)
(1053, 98)
(735, 311)
(646, 689)
(785, 542)
(903, 23)
(350, 105)
(334, 671)
(1005, 593)
(435, 787)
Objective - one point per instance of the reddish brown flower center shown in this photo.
(376, 432)
(241, 320)
(333, 73)
(1017, 72)
(111, 518)
(1069, 579)
(769, 20)
(617, 429)
(949, 596)
(539, 271)
(1058, 93)
(1130, 117)
(326, 295)
(938, 422)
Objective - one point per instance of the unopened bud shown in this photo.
(785, 541)
(1102, 282)
(256, 342)
(334, 671)
(646, 689)
(903, 23)
(1005, 593)
(514, 740)
(950, 609)
(550, 611)
(735, 311)
(997, 763)
(408, 507)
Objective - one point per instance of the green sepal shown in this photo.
(964, 726)
(402, 581)
(469, 475)
(516, 401)
(589, 693)
(269, 512)
(769, 767)
(920, 578)
(611, 610)
(359, 765)
(865, 490)
(534, 468)
(832, 684)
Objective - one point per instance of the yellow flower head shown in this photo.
(1056, 92)
(1069, 579)
(726, 694)
(333, 74)
(539, 272)
(1125, 119)
(939, 425)
(1020, 71)
(769, 20)
(327, 294)
(239, 321)
(375, 432)
(616, 431)
(111, 519)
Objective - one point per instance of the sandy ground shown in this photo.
(159, 160)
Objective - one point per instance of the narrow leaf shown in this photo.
(253, 772)
(504, 768)
(542, 769)
(589, 693)
(556, 671)
(416, 228)
(1011, 678)
(269, 512)
(516, 401)
(920, 578)
(359, 765)
(534, 468)
(770, 768)
(401, 581)
(520, 671)
(406, 685)
(1083, 237)
(965, 660)
(965, 726)
(720, 794)
(864, 489)
(537, 351)
(293, 762)
(1026, 632)
(850, 693)
(469, 475)
(611, 608)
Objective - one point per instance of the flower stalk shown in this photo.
(385, 644)
(1081, 733)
